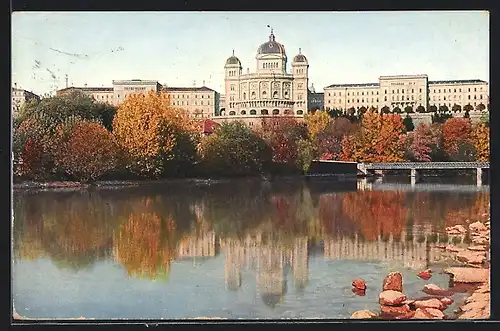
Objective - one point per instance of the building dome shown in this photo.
(233, 60)
(300, 57)
(271, 46)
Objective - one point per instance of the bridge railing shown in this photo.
(425, 165)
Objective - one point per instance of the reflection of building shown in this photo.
(411, 250)
(195, 246)
(269, 262)
(19, 98)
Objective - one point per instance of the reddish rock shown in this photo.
(393, 281)
(406, 316)
(426, 274)
(468, 275)
(430, 303)
(477, 226)
(480, 240)
(433, 289)
(440, 246)
(451, 248)
(359, 292)
(471, 257)
(360, 284)
(435, 313)
(393, 311)
(478, 248)
(460, 229)
(363, 314)
(391, 298)
(421, 314)
(446, 301)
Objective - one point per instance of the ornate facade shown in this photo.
(271, 90)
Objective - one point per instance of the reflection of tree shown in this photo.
(376, 212)
(143, 248)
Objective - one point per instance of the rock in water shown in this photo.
(426, 274)
(446, 301)
(477, 226)
(359, 292)
(468, 275)
(363, 314)
(360, 284)
(433, 289)
(393, 281)
(429, 303)
(394, 311)
(391, 298)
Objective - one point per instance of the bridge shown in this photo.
(377, 168)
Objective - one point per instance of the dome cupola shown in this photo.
(233, 60)
(271, 46)
(300, 57)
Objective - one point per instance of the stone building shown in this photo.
(101, 94)
(19, 98)
(407, 90)
(124, 88)
(200, 102)
(272, 90)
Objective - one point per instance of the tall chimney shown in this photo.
(248, 71)
(66, 80)
(85, 84)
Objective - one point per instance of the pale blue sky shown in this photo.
(178, 48)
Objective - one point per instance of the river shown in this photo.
(231, 249)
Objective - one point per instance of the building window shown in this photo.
(377, 99)
(475, 90)
(469, 97)
(480, 96)
(412, 91)
(385, 92)
(330, 95)
(474, 97)
(468, 90)
(402, 90)
(334, 94)
(340, 101)
(232, 89)
(362, 93)
(357, 93)
(348, 94)
(340, 94)
(459, 90)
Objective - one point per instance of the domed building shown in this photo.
(270, 90)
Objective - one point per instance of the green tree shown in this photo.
(305, 154)
(443, 108)
(456, 108)
(433, 109)
(468, 107)
(385, 110)
(234, 149)
(480, 107)
(420, 109)
(408, 123)
(409, 109)
(396, 110)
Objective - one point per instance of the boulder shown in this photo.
(393, 281)
(393, 311)
(478, 248)
(426, 274)
(421, 314)
(363, 314)
(435, 313)
(391, 298)
(430, 303)
(477, 226)
(360, 284)
(451, 248)
(358, 292)
(457, 228)
(433, 289)
(471, 257)
(446, 301)
(480, 240)
(468, 275)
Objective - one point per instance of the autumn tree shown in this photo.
(156, 135)
(234, 149)
(381, 139)
(328, 141)
(90, 151)
(420, 144)
(316, 122)
(305, 154)
(385, 110)
(481, 142)
(282, 135)
(456, 133)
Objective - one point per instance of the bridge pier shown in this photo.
(414, 176)
(479, 176)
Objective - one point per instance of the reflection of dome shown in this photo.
(271, 299)
(271, 46)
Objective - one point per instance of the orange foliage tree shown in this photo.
(380, 139)
(282, 135)
(481, 141)
(317, 122)
(456, 134)
(155, 134)
(140, 246)
(89, 152)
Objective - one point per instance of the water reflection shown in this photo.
(268, 231)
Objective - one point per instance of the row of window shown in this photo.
(459, 90)
(253, 96)
(186, 96)
(181, 103)
(270, 65)
(450, 104)
(266, 112)
(134, 88)
(455, 97)
(232, 73)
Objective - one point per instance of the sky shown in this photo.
(189, 48)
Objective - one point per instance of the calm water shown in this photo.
(239, 249)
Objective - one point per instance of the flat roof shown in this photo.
(354, 85)
(88, 89)
(188, 89)
(459, 81)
